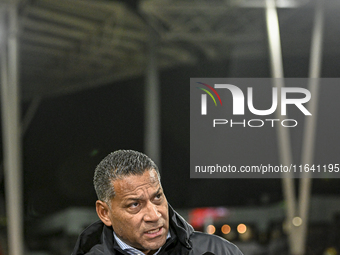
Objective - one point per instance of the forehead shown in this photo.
(133, 183)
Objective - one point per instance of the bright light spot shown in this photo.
(211, 229)
(297, 221)
(330, 251)
(226, 229)
(241, 228)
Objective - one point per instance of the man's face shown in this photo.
(139, 211)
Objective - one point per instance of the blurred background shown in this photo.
(97, 76)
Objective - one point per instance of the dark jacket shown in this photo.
(97, 239)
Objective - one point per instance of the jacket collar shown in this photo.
(181, 227)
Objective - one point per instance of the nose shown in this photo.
(151, 213)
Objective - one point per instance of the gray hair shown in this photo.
(116, 165)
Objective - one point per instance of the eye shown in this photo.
(134, 205)
(158, 196)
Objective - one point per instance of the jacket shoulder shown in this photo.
(202, 243)
(90, 240)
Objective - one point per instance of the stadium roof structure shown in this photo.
(68, 45)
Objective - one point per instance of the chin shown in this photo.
(155, 246)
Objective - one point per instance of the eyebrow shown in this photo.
(158, 191)
(141, 197)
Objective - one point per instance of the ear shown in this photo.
(103, 212)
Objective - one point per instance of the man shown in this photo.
(135, 217)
